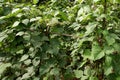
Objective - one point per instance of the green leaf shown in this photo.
(78, 73)
(53, 22)
(30, 72)
(108, 61)
(35, 19)
(84, 78)
(93, 78)
(36, 78)
(2, 17)
(44, 69)
(97, 52)
(24, 57)
(25, 21)
(19, 15)
(116, 47)
(20, 51)
(55, 71)
(15, 10)
(110, 40)
(45, 78)
(115, 36)
(20, 33)
(75, 25)
(114, 1)
(100, 55)
(63, 16)
(96, 1)
(108, 70)
(35, 1)
(90, 28)
(36, 61)
(26, 36)
(16, 23)
(108, 65)
(80, 1)
(3, 37)
(108, 50)
(3, 67)
(26, 76)
(80, 12)
(87, 54)
(87, 71)
(27, 62)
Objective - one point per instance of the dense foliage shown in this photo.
(60, 40)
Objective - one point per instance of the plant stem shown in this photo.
(105, 10)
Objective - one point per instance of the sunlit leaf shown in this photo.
(24, 57)
(15, 24)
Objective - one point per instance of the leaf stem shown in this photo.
(105, 10)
